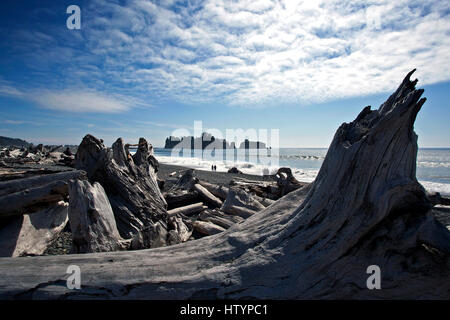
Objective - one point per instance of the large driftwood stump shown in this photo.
(129, 182)
(364, 208)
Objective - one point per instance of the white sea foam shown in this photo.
(433, 164)
(222, 166)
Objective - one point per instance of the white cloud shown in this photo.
(13, 122)
(250, 52)
(80, 101)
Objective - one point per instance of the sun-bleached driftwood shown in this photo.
(32, 200)
(31, 234)
(207, 196)
(220, 192)
(219, 218)
(239, 211)
(264, 201)
(129, 182)
(16, 185)
(262, 189)
(365, 208)
(207, 228)
(241, 199)
(92, 219)
(188, 210)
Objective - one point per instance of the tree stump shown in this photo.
(130, 183)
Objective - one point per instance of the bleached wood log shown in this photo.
(364, 208)
(188, 210)
(220, 219)
(239, 211)
(207, 196)
(92, 220)
(219, 191)
(207, 228)
(264, 201)
(16, 185)
(31, 234)
(238, 198)
(232, 219)
(32, 200)
(263, 189)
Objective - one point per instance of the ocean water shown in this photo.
(433, 165)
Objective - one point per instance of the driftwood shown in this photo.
(92, 219)
(364, 208)
(185, 182)
(207, 228)
(181, 198)
(264, 201)
(239, 198)
(219, 218)
(129, 182)
(156, 235)
(28, 195)
(286, 181)
(207, 196)
(178, 231)
(31, 234)
(220, 192)
(263, 189)
(239, 211)
(16, 185)
(153, 235)
(188, 210)
(32, 200)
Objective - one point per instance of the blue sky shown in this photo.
(146, 68)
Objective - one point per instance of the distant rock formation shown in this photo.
(206, 140)
(247, 144)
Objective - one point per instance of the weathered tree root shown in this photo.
(364, 208)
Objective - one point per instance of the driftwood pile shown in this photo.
(211, 208)
(39, 154)
(365, 208)
(113, 201)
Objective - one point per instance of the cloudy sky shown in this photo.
(146, 68)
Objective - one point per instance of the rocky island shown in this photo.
(208, 141)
